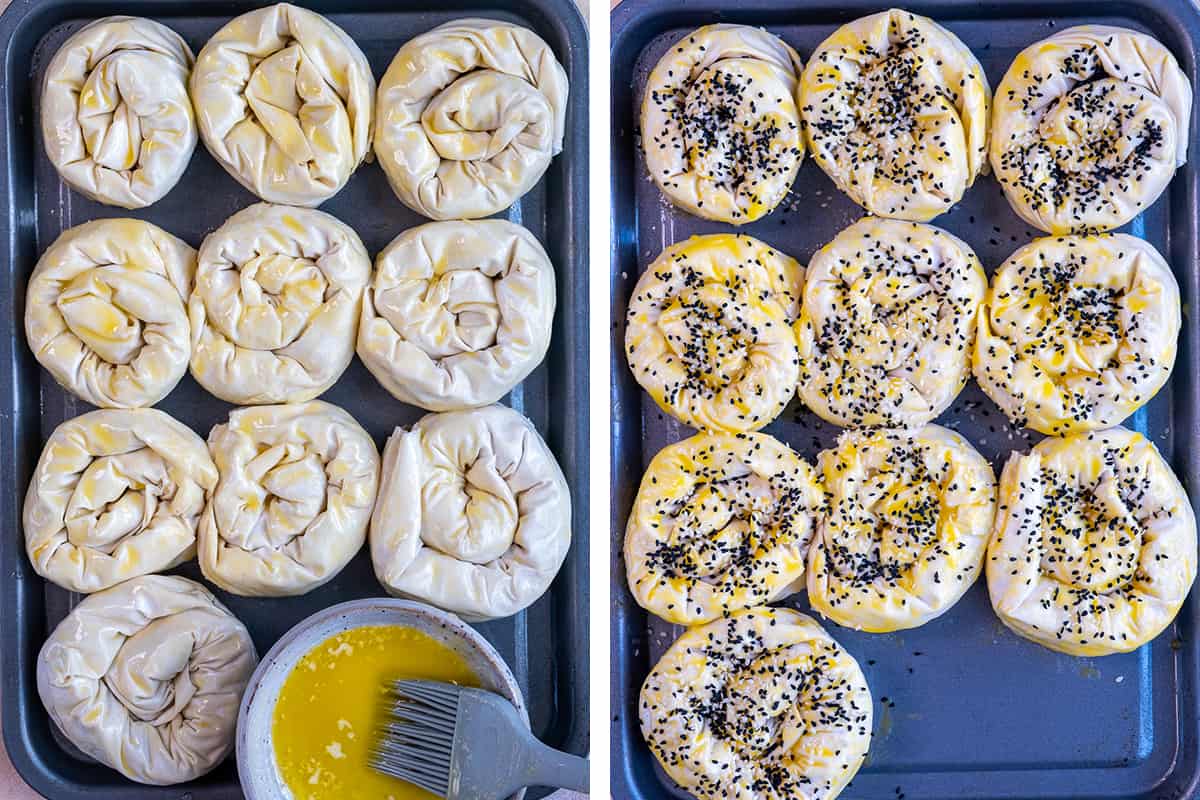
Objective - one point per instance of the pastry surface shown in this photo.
(146, 678)
(457, 313)
(117, 122)
(474, 514)
(708, 331)
(895, 110)
(719, 123)
(469, 116)
(1088, 127)
(115, 494)
(910, 514)
(1094, 546)
(284, 100)
(297, 486)
(887, 324)
(1078, 332)
(721, 522)
(276, 304)
(760, 704)
(105, 311)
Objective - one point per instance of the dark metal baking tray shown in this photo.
(546, 646)
(963, 707)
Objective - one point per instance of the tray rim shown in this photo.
(21, 589)
(633, 24)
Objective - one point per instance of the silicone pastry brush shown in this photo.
(465, 744)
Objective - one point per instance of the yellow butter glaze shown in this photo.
(327, 709)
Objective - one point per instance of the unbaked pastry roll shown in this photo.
(117, 123)
(1094, 547)
(708, 332)
(147, 678)
(760, 704)
(296, 490)
(721, 522)
(1088, 128)
(887, 325)
(1077, 332)
(895, 111)
(105, 313)
(114, 495)
(910, 513)
(470, 115)
(457, 313)
(284, 101)
(474, 514)
(274, 312)
(720, 127)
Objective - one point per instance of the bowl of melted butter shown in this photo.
(308, 715)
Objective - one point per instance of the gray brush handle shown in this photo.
(549, 767)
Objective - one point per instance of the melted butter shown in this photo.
(327, 709)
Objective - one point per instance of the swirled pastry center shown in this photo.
(1094, 546)
(761, 693)
(888, 519)
(281, 495)
(711, 329)
(729, 139)
(1090, 539)
(709, 333)
(150, 675)
(290, 99)
(722, 529)
(1102, 133)
(111, 127)
(268, 302)
(485, 112)
(1078, 332)
(471, 513)
(443, 315)
(900, 116)
(888, 321)
(103, 307)
(116, 497)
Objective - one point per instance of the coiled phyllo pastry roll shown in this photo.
(708, 331)
(1078, 332)
(759, 704)
(1094, 546)
(469, 116)
(910, 513)
(296, 490)
(887, 324)
(720, 127)
(474, 514)
(284, 102)
(895, 111)
(721, 522)
(147, 678)
(117, 123)
(105, 313)
(457, 313)
(1088, 128)
(275, 309)
(114, 495)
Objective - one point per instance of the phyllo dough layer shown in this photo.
(147, 678)
(1094, 546)
(721, 522)
(474, 514)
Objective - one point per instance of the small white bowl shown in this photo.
(257, 770)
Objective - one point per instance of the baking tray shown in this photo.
(963, 707)
(546, 646)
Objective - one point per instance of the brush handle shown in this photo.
(551, 767)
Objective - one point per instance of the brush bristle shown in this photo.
(416, 738)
